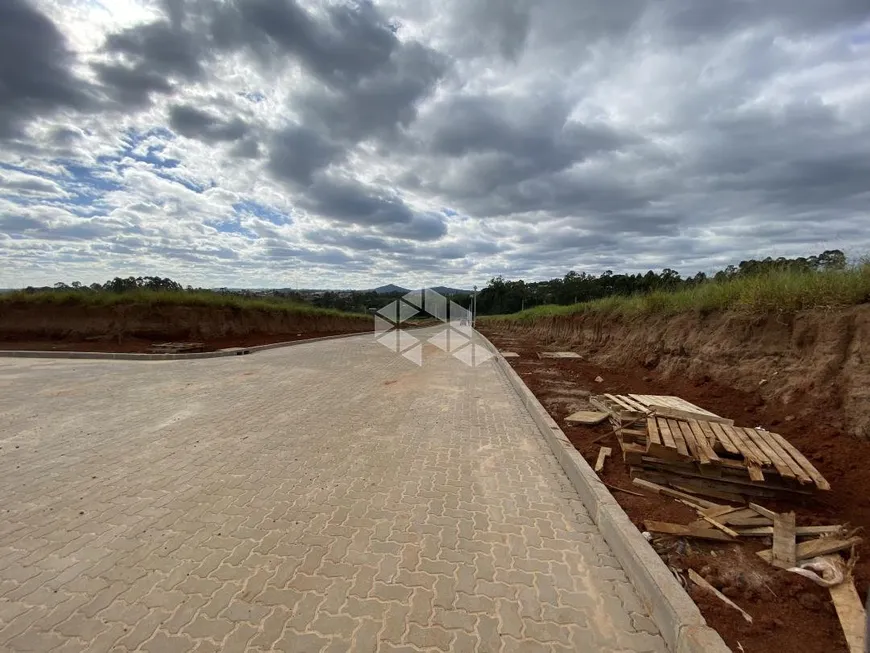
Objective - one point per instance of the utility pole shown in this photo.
(474, 309)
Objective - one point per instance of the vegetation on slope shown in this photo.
(772, 290)
(501, 296)
(153, 291)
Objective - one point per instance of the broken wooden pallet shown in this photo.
(818, 547)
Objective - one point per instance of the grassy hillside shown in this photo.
(773, 291)
(155, 298)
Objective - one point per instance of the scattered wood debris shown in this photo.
(851, 614)
(784, 551)
(700, 581)
(686, 531)
(670, 441)
(814, 548)
(677, 449)
(603, 452)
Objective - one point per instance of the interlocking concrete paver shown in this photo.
(326, 497)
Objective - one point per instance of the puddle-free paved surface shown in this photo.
(330, 496)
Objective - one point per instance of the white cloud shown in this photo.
(334, 147)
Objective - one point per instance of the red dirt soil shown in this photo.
(790, 612)
(134, 328)
(143, 345)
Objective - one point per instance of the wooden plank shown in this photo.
(741, 515)
(755, 473)
(667, 436)
(701, 582)
(683, 404)
(708, 433)
(661, 489)
(674, 428)
(597, 403)
(603, 452)
(751, 454)
(747, 447)
(703, 442)
(748, 522)
(807, 466)
(663, 400)
(798, 471)
(624, 406)
(819, 547)
(723, 438)
(800, 531)
(780, 465)
(691, 444)
(586, 417)
(784, 551)
(722, 527)
(850, 612)
(652, 430)
(641, 399)
(715, 513)
(632, 453)
(636, 405)
(742, 485)
(677, 408)
(702, 488)
(686, 531)
(688, 484)
(761, 510)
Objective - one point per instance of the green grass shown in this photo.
(777, 291)
(167, 298)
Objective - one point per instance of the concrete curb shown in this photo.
(673, 611)
(232, 351)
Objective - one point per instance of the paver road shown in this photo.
(330, 496)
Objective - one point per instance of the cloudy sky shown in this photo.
(348, 144)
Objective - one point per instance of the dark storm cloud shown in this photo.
(506, 155)
(146, 58)
(541, 139)
(131, 86)
(246, 149)
(714, 18)
(161, 47)
(195, 123)
(349, 201)
(297, 152)
(35, 75)
(351, 42)
(828, 165)
(378, 102)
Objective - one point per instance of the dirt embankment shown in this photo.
(135, 327)
(817, 363)
(816, 372)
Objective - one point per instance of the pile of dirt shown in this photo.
(135, 327)
(791, 613)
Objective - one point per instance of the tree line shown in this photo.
(117, 285)
(502, 296)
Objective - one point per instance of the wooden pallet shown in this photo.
(674, 407)
(705, 451)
